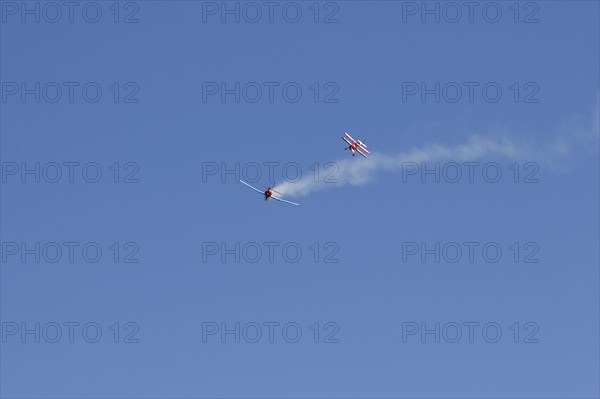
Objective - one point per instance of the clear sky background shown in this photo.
(371, 294)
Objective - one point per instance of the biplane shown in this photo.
(356, 145)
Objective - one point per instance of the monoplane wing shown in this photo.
(282, 200)
(253, 188)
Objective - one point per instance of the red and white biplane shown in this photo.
(268, 193)
(355, 145)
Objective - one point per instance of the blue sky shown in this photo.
(165, 132)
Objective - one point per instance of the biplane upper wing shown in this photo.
(351, 139)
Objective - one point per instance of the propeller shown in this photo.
(272, 188)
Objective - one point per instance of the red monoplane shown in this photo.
(268, 193)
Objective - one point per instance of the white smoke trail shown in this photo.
(357, 172)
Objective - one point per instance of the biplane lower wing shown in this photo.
(360, 151)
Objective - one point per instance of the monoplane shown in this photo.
(268, 193)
